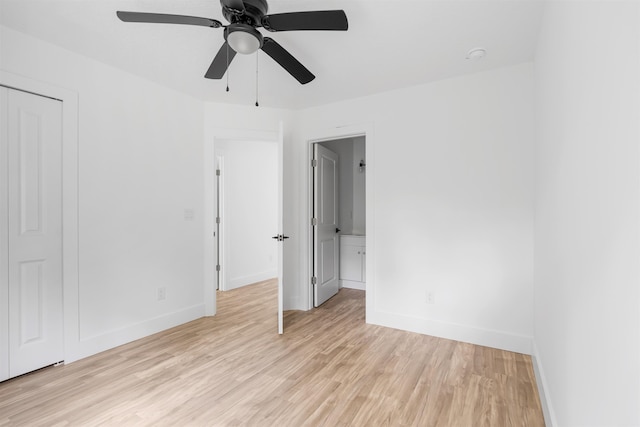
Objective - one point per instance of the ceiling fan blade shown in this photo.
(287, 61)
(162, 18)
(236, 6)
(332, 20)
(221, 62)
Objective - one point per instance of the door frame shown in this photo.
(70, 205)
(210, 195)
(224, 201)
(33, 247)
(342, 132)
(219, 227)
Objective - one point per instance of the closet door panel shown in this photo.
(34, 213)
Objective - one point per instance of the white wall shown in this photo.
(140, 167)
(587, 242)
(452, 202)
(250, 211)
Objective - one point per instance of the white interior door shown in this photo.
(281, 230)
(325, 231)
(33, 209)
(4, 238)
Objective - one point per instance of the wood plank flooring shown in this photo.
(329, 369)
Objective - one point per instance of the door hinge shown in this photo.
(314, 280)
(218, 267)
(314, 222)
(314, 163)
(217, 172)
(217, 220)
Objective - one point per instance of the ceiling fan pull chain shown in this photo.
(257, 79)
(227, 66)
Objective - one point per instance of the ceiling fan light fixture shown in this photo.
(244, 38)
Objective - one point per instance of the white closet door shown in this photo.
(34, 212)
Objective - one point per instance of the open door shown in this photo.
(325, 224)
(280, 236)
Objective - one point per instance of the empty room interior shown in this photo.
(278, 214)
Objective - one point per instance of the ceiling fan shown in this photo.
(242, 35)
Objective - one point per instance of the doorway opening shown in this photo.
(338, 238)
(215, 156)
(246, 212)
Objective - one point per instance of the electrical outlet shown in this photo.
(162, 293)
(431, 297)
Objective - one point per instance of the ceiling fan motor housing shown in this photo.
(252, 15)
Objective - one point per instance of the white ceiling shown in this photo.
(390, 44)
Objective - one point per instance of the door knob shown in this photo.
(280, 237)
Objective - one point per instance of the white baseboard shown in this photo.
(238, 282)
(98, 343)
(543, 389)
(452, 331)
(353, 285)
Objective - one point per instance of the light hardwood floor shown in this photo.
(329, 369)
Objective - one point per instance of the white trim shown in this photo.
(111, 339)
(452, 331)
(219, 210)
(352, 284)
(638, 236)
(70, 245)
(543, 388)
